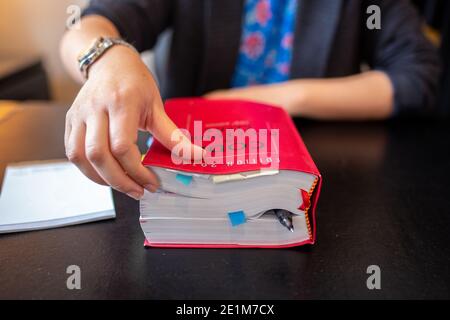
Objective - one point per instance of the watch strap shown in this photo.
(98, 49)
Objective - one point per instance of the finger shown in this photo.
(99, 155)
(166, 132)
(123, 128)
(76, 154)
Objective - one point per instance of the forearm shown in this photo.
(75, 41)
(364, 96)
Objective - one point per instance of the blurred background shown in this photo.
(30, 31)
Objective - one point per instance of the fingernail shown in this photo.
(135, 195)
(199, 153)
(150, 187)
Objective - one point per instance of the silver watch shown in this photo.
(96, 50)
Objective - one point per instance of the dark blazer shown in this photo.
(331, 40)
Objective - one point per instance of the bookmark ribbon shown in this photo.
(237, 218)
(306, 200)
(184, 179)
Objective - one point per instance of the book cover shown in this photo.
(225, 129)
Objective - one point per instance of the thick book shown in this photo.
(254, 162)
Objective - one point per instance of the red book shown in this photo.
(255, 161)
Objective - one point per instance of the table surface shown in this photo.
(385, 201)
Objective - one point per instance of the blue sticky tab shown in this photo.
(150, 141)
(237, 218)
(184, 179)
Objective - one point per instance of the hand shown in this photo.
(119, 98)
(285, 95)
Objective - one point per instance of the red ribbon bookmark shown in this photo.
(306, 200)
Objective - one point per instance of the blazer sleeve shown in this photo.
(401, 50)
(139, 21)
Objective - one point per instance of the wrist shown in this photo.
(114, 57)
(97, 50)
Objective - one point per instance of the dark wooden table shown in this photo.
(385, 202)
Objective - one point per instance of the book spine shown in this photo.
(308, 222)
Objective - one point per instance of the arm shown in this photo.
(119, 98)
(401, 50)
(364, 96)
(367, 95)
(404, 77)
(133, 20)
(75, 41)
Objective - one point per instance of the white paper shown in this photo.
(50, 194)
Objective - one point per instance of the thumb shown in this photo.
(165, 131)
